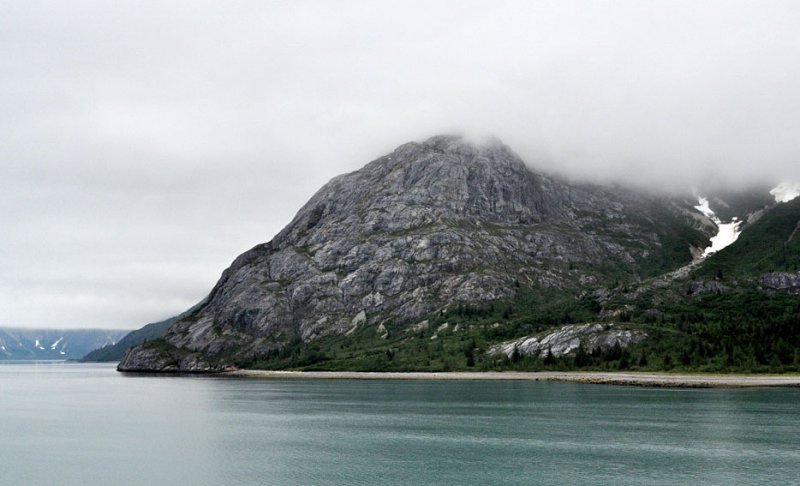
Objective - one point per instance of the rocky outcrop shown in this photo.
(146, 358)
(789, 282)
(566, 340)
(430, 225)
(697, 287)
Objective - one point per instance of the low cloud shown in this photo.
(146, 144)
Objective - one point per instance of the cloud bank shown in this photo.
(146, 144)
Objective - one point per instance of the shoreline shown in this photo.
(644, 379)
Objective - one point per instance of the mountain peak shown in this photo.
(452, 141)
(465, 146)
(446, 177)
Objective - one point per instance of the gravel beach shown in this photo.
(611, 378)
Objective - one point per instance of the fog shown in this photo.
(146, 144)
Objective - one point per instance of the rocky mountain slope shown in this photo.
(427, 227)
(771, 243)
(149, 332)
(115, 351)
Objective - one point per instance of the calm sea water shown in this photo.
(65, 424)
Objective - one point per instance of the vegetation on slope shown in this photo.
(676, 237)
(730, 325)
(744, 330)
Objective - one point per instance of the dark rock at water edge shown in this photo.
(161, 357)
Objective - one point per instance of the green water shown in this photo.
(67, 424)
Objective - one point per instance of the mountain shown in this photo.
(433, 227)
(116, 350)
(746, 204)
(771, 244)
(57, 344)
(736, 310)
(149, 332)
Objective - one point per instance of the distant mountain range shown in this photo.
(54, 344)
(450, 255)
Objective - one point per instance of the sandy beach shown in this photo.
(610, 378)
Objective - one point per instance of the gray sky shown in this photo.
(146, 144)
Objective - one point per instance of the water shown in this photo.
(65, 424)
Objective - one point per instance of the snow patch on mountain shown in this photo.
(786, 191)
(704, 208)
(727, 233)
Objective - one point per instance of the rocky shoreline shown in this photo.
(669, 380)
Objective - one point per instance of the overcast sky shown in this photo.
(145, 144)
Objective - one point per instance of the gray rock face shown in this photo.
(696, 287)
(566, 340)
(781, 281)
(429, 225)
(144, 359)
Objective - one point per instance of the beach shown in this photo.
(676, 380)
